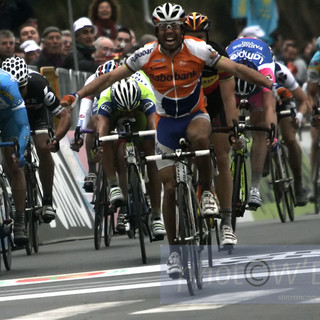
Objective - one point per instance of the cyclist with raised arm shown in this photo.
(129, 98)
(174, 64)
(257, 55)
(88, 119)
(40, 100)
(218, 87)
(292, 96)
(313, 93)
(14, 124)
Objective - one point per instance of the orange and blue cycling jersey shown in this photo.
(176, 80)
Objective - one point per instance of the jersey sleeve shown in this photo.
(105, 106)
(21, 119)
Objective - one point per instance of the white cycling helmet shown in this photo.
(18, 68)
(106, 67)
(168, 12)
(126, 94)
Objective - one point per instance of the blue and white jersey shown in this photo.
(10, 97)
(13, 114)
(252, 49)
(284, 77)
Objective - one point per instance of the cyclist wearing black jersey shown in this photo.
(40, 100)
(218, 87)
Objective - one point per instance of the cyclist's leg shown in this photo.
(294, 157)
(198, 132)
(314, 132)
(108, 162)
(89, 181)
(18, 186)
(17, 182)
(262, 113)
(39, 119)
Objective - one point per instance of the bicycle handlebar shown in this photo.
(127, 135)
(179, 154)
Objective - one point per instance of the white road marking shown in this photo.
(63, 313)
(180, 308)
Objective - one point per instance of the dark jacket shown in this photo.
(46, 60)
(85, 61)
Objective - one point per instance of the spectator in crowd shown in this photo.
(18, 51)
(104, 49)
(29, 32)
(31, 50)
(51, 53)
(7, 44)
(85, 33)
(66, 42)
(104, 15)
(14, 13)
(122, 41)
(295, 63)
(276, 44)
(145, 38)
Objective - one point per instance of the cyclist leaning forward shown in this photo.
(129, 98)
(174, 64)
(218, 87)
(40, 100)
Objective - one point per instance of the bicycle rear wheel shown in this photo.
(316, 183)
(135, 190)
(6, 242)
(100, 206)
(282, 184)
(108, 226)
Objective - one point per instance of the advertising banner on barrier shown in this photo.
(73, 206)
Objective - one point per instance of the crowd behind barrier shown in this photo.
(64, 81)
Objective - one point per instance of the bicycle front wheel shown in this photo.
(6, 242)
(191, 262)
(135, 190)
(99, 207)
(239, 193)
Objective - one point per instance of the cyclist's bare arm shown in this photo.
(229, 100)
(104, 81)
(312, 92)
(301, 98)
(243, 72)
(63, 125)
(151, 119)
(269, 106)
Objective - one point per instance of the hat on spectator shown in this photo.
(83, 22)
(29, 45)
(252, 31)
(50, 29)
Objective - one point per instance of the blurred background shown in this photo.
(297, 19)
